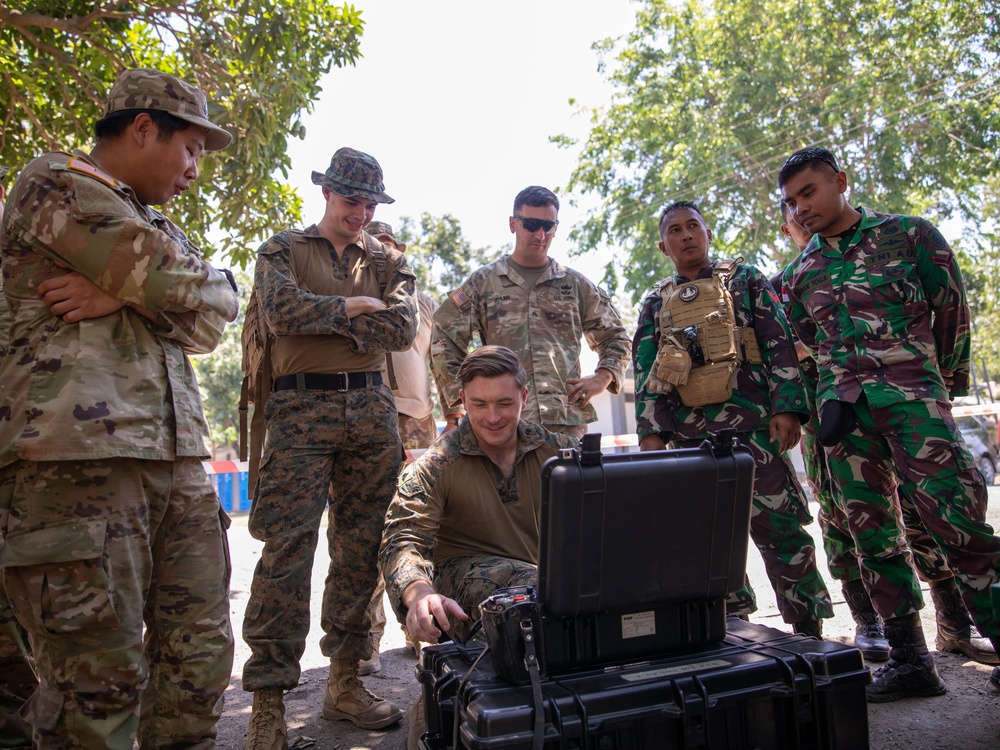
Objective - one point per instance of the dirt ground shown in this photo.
(968, 716)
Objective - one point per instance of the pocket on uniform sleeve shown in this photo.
(57, 579)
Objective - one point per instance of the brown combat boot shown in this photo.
(954, 625)
(374, 663)
(267, 721)
(869, 635)
(910, 672)
(346, 698)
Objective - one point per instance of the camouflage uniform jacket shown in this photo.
(882, 312)
(453, 501)
(308, 315)
(760, 391)
(119, 385)
(543, 324)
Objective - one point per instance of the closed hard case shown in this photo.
(759, 688)
(638, 550)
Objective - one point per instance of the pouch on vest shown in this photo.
(670, 369)
(701, 314)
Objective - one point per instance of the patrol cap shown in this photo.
(4, 170)
(379, 229)
(353, 173)
(144, 88)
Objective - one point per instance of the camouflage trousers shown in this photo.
(470, 580)
(417, 433)
(777, 516)
(17, 674)
(915, 445)
(325, 450)
(841, 554)
(118, 570)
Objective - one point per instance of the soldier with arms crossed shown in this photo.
(114, 557)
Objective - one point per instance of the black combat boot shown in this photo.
(812, 628)
(955, 630)
(869, 636)
(910, 672)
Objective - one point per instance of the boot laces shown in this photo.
(262, 722)
(356, 688)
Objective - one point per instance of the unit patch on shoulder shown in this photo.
(79, 165)
(459, 297)
(689, 293)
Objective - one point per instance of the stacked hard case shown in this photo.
(624, 644)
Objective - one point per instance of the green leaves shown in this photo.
(712, 97)
(260, 64)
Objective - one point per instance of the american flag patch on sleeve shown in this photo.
(459, 297)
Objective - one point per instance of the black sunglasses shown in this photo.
(812, 154)
(533, 225)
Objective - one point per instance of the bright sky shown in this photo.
(457, 101)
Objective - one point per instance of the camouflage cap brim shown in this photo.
(144, 88)
(347, 191)
(4, 171)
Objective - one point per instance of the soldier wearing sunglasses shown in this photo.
(540, 309)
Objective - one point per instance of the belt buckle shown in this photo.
(346, 381)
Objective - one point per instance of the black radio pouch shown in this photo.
(501, 615)
(836, 419)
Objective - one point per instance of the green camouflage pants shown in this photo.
(470, 580)
(777, 515)
(841, 555)
(915, 445)
(324, 449)
(118, 569)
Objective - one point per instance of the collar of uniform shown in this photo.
(529, 437)
(555, 271)
(312, 231)
(871, 218)
(119, 185)
(704, 273)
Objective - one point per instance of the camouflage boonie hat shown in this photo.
(380, 229)
(143, 88)
(353, 173)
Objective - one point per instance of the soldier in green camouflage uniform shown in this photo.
(331, 439)
(17, 676)
(766, 408)
(532, 305)
(954, 624)
(114, 558)
(880, 301)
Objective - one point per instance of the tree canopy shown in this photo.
(259, 62)
(439, 254)
(711, 98)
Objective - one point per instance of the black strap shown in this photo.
(322, 381)
(531, 663)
